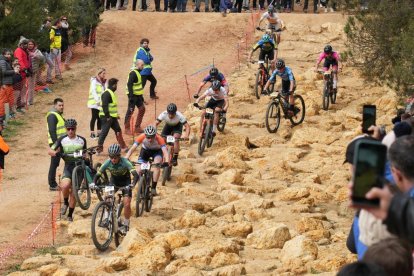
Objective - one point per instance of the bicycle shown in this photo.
(83, 175)
(272, 34)
(106, 218)
(281, 100)
(166, 171)
(206, 131)
(262, 76)
(328, 92)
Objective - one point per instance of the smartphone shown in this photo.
(369, 116)
(369, 162)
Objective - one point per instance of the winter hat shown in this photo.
(23, 40)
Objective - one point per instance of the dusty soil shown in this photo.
(280, 208)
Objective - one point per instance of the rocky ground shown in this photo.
(276, 208)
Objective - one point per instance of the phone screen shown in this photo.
(369, 114)
(369, 170)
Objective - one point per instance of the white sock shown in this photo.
(214, 128)
(126, 222)
(334, 83)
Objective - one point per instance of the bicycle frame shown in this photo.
(208, 116)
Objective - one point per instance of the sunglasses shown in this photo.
(70, 129)
(114, 156)
(149, 137)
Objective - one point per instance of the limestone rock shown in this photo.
(223, 259)
(39, 261)
(154, 257)
(231, 195)
(134, 242)
(256, 214)
(64, 272)
(187, 178)
(231, 176)
(274, 237)
(190, 218)
(112, 264)
(308, 224)
(175, 239)
(240, 229)
(294, 193)
(300, 247)
(77, 250)
(227, 209)
(80, 228)
(48, 269)
(233, 157)
(231, 270)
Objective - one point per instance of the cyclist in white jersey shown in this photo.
(275, 24)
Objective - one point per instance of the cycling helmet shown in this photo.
(266, 38)
(214, 72)
(70, 123)
(280, 64)
(216, 85)
(172, 108)
(150, 131)
(327, 49)
(270, 9)
(114, 150)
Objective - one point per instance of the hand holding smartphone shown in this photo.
(369, 116)
(369, 161)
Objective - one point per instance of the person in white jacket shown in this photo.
(96, 89)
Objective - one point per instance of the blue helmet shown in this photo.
(266, 38)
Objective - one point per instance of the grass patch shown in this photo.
(12, 128)
(46, 250)
(13, 268)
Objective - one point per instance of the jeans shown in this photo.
(315, 5)
(181, 5)
(198, 2)
(55, 56)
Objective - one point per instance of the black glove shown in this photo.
(195, 96)
(258, 28)
(196, 105)
(164, 165)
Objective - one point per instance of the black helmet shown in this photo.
(216, 85)
(70, 123)
(280, 63)
(172, 108)
(327, 49)
(214, 72)
(150, 131)
(114, 150)
(270, 8)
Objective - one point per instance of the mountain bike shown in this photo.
(280, 100)
(206, 131)
(328, 93)
(222, 121)
(166, 171)
(106, 218)
(262, 76)
(83, 175)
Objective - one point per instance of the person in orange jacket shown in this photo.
(4, 148)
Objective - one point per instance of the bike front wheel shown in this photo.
(102, 226)
(258, 87)
(118, 235)
(272, 117)
(325, 96)
(203, 142)
(80, 188)
(148, 195)
(221, 123)
(209, 134)
(140, 202)
(298, 110)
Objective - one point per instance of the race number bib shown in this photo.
(170, 139)
(109, 189)
(77, 154)
(261, 62)
(209, 111)
(145, 166)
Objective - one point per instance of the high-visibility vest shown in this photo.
(60, 126)
(137, 86)
(113, 107)
(135, 58)
(99, 90)
(56, 43)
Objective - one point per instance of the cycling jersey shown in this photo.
(265, 46)
(155, 144)
(69, 146)
(178, 118)
(286, 75)
(220, 77)
(120, 172)
(273, 19)
(220, 95)
(334, 56)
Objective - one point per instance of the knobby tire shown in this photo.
(98, 214)
(272, 113)
(81, 185)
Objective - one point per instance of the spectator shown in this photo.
(22, 55)
(121, 4)
(144, 54)
(44, 47)
(361, 269)
(315, 6)
(89, 32)
(6, 85)
(181, 5)
(393, 255)
(198, 2)
(17, 86)
(66, 46)
(37, 60)
(110, 4)
(4, 148)
(55, 36)
(97, 87)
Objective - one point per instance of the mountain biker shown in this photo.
(218, 101)
(275, 24)
(65, 146)
(153, 146)
(331, 59)
(174, 122)
(214, 74)
(288, 81)
(267, 47)
(120, 169)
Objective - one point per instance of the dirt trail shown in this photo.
(280, 208)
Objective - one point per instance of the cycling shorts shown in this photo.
(270, 54)
(328, 62)
(121, 184)
(170, 130)
(212, 103)
(68, 170)
(286, 86)
(146, 154)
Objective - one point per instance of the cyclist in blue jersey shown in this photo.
(288, 81)
(213, 75)
(120, 169)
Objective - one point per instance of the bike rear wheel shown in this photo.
(333, 95)
(166, 171)
(80, 188)
(210, 136)
(325, 96)
(272, 117)
(102, 181)
(118, 235)
(140, 202)
(259, 85)
(299, 110)
(102, 227)
(221, 123)
(203, 142)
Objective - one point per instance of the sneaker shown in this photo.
(53, 188)
(64, 209)
(196, 10)
(154, 191)
(20, 110)
(104, 223)
(70, 219)
(174, 162)
(93, 136)
(123, 229)
(214, 134)
(154, 97)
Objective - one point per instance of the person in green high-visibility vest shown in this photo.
(135, 93)
(109, 115)
(55, 130)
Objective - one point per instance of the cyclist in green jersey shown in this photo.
(121, 170)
